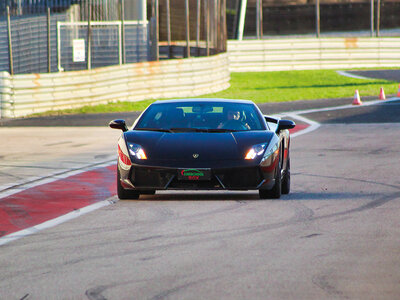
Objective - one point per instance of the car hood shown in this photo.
(198, 146)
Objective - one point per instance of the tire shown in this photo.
(276, 191)
(286, 179)
(124, 194)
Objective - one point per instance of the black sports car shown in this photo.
(203, 144)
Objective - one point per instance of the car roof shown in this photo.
(188, 100)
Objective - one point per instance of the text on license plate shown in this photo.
(194, 174)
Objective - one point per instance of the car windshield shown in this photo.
(200, 117)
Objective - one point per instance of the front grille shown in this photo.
(232, 178)
(195, 185)
(240, 177)
(149, 177)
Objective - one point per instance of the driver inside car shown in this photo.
(233, 121)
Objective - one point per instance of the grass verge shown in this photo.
(264, 87)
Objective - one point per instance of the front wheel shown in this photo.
(286, 179)
(275, 192)
(123, 193)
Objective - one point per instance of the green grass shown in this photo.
(300, 85)
(271, 87)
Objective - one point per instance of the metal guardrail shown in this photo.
(313, 53)
(21, 95)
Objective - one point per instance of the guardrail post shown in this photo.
(6, 102)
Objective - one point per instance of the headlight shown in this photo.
(255, 151)
(136, 151)
(272, 148)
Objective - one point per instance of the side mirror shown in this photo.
(285, 124)
(118, 124)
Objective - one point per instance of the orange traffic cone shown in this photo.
(398, 91)
(357, 100)
(382, 94)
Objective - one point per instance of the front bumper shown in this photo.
(163, 178)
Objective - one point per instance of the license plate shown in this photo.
(194, 174)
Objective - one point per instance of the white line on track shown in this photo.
(53, 177)
(72, 215)
(347, 106)
(54, 222)
(313, 125)
(344, 73)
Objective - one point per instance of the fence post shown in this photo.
(243, 7)
(5, 95)
(207, 15)
(155, 53)
(10, 54)
(198, 16)
(378, 16)
(225, 29)
(317, 19)
(372, 18)
(89, 34)
(259, 19)
(48, 41)
(123, 30)
(187, 29)
(167, 4)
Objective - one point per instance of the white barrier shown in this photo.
(21, 95)
(5, 93)
(313, 53)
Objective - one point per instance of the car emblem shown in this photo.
(195, 155)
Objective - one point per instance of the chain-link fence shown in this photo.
(322, 18)
(33, 42)
(62, 35)
(101, 10)
(106, 44)
(184, 28)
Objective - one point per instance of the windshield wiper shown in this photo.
(212, 130)
(221, 130)
(154, 129)
(185, 129)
